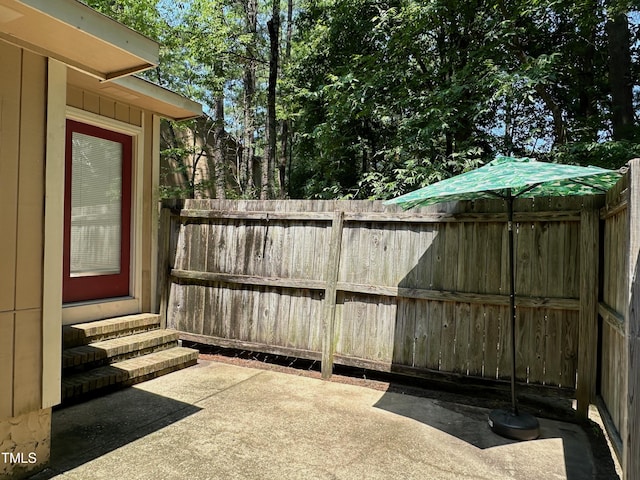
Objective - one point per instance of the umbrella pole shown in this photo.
(513, 424)
(512, 302)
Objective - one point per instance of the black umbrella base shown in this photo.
(520, 426)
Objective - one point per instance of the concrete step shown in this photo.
(86, 333)
(118, 349)
(101, 380)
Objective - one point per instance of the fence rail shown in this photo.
(422, 292)
(356, 283)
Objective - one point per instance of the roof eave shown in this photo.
(165, 102)
(124, 51)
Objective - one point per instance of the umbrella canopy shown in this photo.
(510, 178)
(522, 177)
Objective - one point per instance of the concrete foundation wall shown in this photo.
(24, 444)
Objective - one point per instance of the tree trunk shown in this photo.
(284, 124)
(282, 160)
(507, 139)
(622, 116)
(559, 124)
(179, 166)
(245, 174)
(587, 112)
(219, 155)
(269, 159)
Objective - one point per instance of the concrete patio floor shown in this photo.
(221, 421)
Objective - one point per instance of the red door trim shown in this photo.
(75, 289)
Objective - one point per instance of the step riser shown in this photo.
(97, 357)
(106, 379)
(103, 386)
(105, 355)
(86, 333)
(79, 340)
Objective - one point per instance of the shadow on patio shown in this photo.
(583, 451)
(89, 430)
(220, 421)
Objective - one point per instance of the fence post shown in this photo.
(166, 253)
(588, 329)
(631, 422)
(164, 244)
(329, 307)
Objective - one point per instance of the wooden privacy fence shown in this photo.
(612, 305)
(619, 309)
(418, 292)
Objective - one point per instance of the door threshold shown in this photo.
(87, 311)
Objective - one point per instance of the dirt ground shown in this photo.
(542, 407)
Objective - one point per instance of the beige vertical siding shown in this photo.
(148, 225)
(27, 369)
(104, 106)
(9, 152)
(22, 144)
(53, 226)
(6, 363)
(31, 183)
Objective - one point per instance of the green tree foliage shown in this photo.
(198, 56)
(375, 98)
(396, 94)
(141, 15)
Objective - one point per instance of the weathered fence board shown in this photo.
(612, 311)
(630, 423)
(588, 330)
(423, 290)
(331, 279)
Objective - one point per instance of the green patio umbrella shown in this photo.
(510, 178)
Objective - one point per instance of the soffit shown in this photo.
(78, 36)
(139, 93)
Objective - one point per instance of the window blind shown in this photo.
(96, 206)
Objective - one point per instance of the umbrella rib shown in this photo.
(498, 195)
(603, 190)
(530, 187)
(495, 194)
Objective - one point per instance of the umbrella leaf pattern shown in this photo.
(525, 177)
(510, 178)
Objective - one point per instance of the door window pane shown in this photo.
(96, 206)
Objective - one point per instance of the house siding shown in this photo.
(149, 214)
(22, 144)
(104, 106)
(23, 89)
